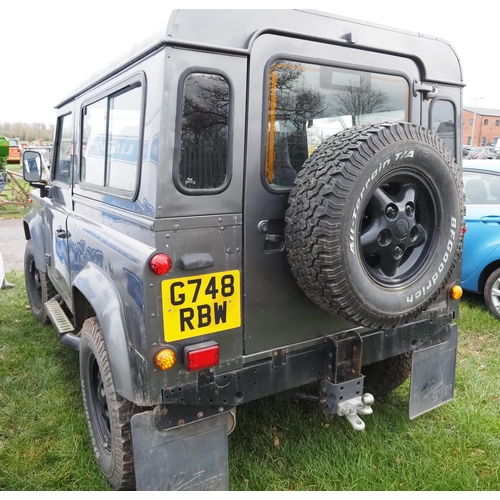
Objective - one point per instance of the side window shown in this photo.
(203, 164)
(308, 103)
(111, 141)
(443, 123)
(63, 149)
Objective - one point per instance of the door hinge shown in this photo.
(429, 91)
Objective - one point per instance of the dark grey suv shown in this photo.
(257, 201)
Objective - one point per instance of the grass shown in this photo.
(277, 444)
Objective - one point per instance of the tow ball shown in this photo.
(352, 408)
(347, 400)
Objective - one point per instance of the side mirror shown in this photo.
(32, 166)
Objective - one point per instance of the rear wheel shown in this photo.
(492, 293)
(108, 415)
(38, 286)
(384, 376)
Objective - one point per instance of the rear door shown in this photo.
(300, 93)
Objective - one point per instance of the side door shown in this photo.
(59, 205)
(300, 93)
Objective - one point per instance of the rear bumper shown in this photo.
(338, 358)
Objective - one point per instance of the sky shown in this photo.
(52, 46)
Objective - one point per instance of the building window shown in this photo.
(497, 123)
(469, 141)
(486, 121)
(483, 141)
(471, 121)
(204, 139)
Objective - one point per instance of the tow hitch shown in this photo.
(352, 408)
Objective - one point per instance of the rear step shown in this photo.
(62, 324)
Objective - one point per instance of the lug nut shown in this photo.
(409, 210)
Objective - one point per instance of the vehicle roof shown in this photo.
(493, 165)
(234, 30)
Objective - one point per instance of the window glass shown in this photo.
(64, 149)
(308, 103)
(443, 122)
(203, 161)
(110, 142)
(94, 143)
(123, 139)
(481, 188)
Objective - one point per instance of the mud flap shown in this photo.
(433, 375)
(191, 457)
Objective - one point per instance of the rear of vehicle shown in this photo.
(236, 213)
(14, 151)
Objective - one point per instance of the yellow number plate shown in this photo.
(200, 304)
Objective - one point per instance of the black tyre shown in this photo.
(108, 415)
(384, 376)
(39, 288)
(492, 293)
(374, 226)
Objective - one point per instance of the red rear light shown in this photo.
(160, 264)
(201, 356)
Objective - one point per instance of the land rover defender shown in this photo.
(253, 202)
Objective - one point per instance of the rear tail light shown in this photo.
(160, 264)
(201, 356)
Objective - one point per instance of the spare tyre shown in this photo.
(374, 226)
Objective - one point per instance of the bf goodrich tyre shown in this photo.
(108, 415)
(39, 288)
(374, 226)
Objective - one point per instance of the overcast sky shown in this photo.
(50, 46)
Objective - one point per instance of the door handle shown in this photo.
(62, 233)
(490, 219)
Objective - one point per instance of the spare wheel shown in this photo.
(374, 226)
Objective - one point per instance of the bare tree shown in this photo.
(358, 99)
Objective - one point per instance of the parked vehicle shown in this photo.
(482, 153)
(15, 151)
(224, 222)
(481, 255)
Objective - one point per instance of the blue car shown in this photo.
(481, 254)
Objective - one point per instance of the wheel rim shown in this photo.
(100, 404)
(398, 231)
(495, 295)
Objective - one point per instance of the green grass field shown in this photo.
(278, 444)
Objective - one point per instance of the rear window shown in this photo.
(308, 103)
(203, 159)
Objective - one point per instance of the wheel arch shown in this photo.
(92, 288)
(32, 225)
(485, 273)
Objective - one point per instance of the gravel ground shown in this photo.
(12, 243)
